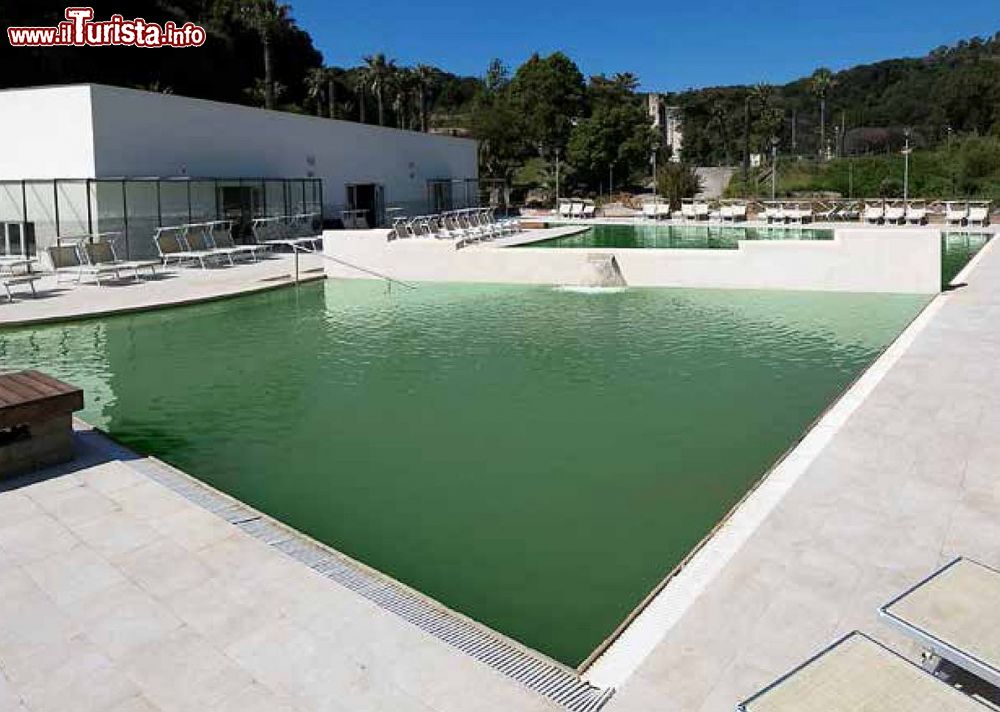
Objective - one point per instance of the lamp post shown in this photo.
(656, 190)
(774, 166)
(557, 178)
(906, 165)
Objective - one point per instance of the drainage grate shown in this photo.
(548, 678)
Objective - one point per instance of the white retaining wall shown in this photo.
(901, 260)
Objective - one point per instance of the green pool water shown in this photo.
(535, 458)
(957, 248)
(679, 236)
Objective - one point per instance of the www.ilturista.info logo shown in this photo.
(80, 30)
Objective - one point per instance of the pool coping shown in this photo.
(621, 653)
(265, 285)
(539, 673)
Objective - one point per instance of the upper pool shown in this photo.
(536, 458)
(678, 236)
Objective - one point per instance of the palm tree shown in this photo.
(266, 17)
(315, 87)
(426, 77)
(379, 71)
(404, 84)
(332, 75)
(360, 80)
(820, 83)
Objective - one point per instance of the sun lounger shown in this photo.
(649, 211)
(916, 213)
(565, 209)
(663, 211)
(894, 214)
(220, 237)
(726, 213)
(739, 212)
(955, 213)
(798, 213)
(15, 271)
(170, 245)
(589, 211)
(102, 254)
(857, 674)
(576, 210)
(774, 212)
(955, 615)
(701, 211)
(688, 211)
(874, 213)
(979, 215)
(69, 260)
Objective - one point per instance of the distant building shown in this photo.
(667, 121)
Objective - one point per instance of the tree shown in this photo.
(332, 78)
(498, 125)
(267, 17)
(426, 77)
(316, 81)
(820, 83)
(616, 134)
(676, 182)
(360, 82)
(549, 93)
(379, 73)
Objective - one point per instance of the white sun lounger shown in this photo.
(955, 615)
(576, 210)
(663, 211)
(956, 213)
(738, 212)
(857, 674)
(565, 209)
(589, 210)
(726, 213)
(774, 212)
(649, 211)
(874, 213)
(701, 211)
(979, 215)
(916, 213)
(895, 214)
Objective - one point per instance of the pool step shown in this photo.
(533, 670)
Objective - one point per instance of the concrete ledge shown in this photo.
(894, 260)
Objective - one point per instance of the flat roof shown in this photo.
(955, 612)
(857, 674)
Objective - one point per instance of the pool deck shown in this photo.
(908, 481)
(119, 595)
(177, 285)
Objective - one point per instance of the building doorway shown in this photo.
(240, 203)
(369, 197)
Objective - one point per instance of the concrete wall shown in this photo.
(903, 260)
(141, 133)
(46, 132)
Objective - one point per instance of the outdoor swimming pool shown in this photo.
(679, 236)
(535, 458)
(957, 248)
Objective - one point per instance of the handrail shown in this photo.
(345, 263)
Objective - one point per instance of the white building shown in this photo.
(89, 158)
(667, 122)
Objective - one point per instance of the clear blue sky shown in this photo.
(669, 45)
